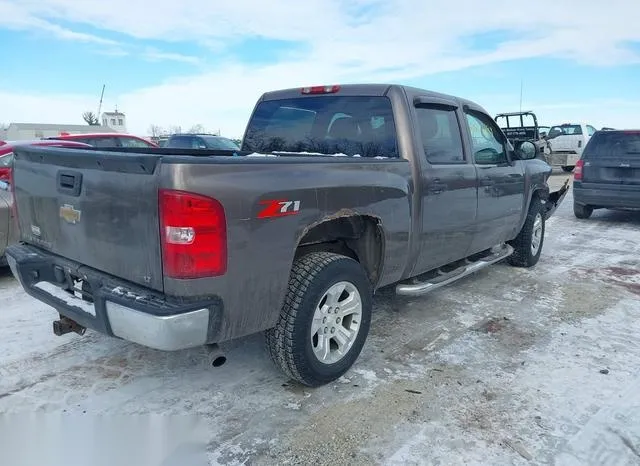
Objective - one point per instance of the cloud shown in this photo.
(336, 41)
(157, 55)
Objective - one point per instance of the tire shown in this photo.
(568, 168)
(290, 343)
(582, 211)
(525, 253)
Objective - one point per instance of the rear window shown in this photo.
(326, 125)
(613, 144)
(565, 130)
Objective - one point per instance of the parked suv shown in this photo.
(608, 174)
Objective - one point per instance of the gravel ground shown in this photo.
(508, 366)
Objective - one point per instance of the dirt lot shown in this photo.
(508, 366)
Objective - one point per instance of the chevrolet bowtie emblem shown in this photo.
(69, 214)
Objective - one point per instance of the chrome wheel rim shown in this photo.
(336, 322)
(536, 237)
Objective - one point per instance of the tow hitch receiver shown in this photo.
(65, 325)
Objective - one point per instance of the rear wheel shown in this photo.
(568, 168)
(582, 211)
(528, 244)
(324, 321)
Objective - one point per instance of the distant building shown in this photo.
(26, 131)
(117, 121)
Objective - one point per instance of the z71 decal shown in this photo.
(278, 208)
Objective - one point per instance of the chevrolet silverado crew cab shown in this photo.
(336, 192)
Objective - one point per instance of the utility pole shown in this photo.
(521, 95)
(100, 104)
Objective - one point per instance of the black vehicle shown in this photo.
(200, 141)
(607, 176)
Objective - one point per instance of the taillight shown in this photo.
(577, 171)
(5, 174)
(193, 234)
(320, 89)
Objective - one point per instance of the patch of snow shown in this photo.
(68, 298)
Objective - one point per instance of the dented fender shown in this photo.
(555, 199)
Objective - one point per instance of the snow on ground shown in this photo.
(509, 366)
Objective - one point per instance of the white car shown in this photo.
(565, 143)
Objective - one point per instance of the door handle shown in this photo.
(486, 181)
(436, 186)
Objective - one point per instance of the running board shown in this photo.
(444, 278)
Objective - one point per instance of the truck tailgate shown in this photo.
(96, 208)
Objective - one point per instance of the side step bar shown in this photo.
(420, 288)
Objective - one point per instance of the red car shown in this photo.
(6, 152)
(107, 139)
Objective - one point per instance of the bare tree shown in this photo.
(175, 129)
(91, 119)
(197, 129)
(156, 131)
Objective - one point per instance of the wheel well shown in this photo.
(359, 237)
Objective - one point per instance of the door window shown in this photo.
(591, 130)
(133, 142)
(486, 140)
(440, 134)
(104, 142)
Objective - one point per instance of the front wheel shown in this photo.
(528, 244)
(324, 321)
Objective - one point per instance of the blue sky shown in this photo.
(197, 63)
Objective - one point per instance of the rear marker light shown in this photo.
(320, 89)
(577, 171)
(193, 235)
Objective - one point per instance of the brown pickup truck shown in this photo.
(336, 192)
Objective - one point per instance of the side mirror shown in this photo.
(526, 150)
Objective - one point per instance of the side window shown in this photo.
(486, 141)
(591, 130)
(104, 142)
(180, 142)
(440, 134)
(133, 142)
(198, 143)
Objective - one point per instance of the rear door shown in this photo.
(612, 158)
(448, 181)
(96, 208)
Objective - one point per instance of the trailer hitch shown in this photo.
(65, 325)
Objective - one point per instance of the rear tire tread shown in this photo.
(280, 340)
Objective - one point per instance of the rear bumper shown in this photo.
(607, 196)
(112, 306)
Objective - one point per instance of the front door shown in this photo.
(449, 192)
(501, 183)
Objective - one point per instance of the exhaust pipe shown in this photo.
(65, 325)
(216, 356)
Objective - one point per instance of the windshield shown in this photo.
(614, 144)
(324, 125)
(218, 143)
